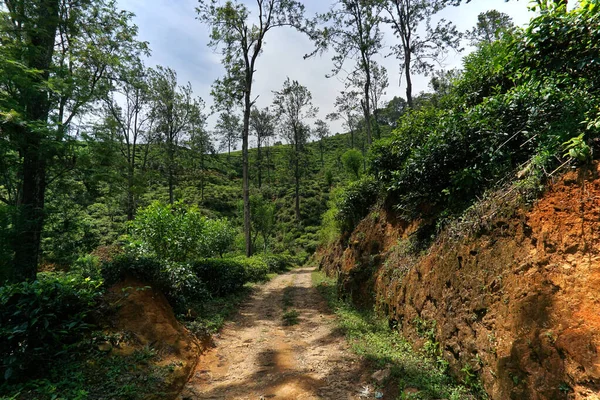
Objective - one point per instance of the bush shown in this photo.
(256, 268)
(355, 201)
(352, 160)
(179, 233)
(42, 319)
(177, 281)
(219, 237)
(221, 276)
(518, 100)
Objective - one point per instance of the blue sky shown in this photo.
(178, 40)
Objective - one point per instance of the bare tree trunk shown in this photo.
(409, 98)
(29, 218)
(367, 106)
(297, 177)
(259, 162)
(245, 175)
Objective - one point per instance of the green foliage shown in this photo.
(221, 276)
(262, 219)
(577, 149)
(179, 233)
(177, 280)
(290, 317)
(353, 161)
(519, 99)
(44, 318)
(355, 201)
(218, 237)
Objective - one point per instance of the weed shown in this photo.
(290, 317)
(371, 338)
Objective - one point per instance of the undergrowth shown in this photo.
(370, 337)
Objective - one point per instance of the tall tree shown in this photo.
(379, 84)
(293, 105)
(228, 130)
(347, 104)
(491, 25)
(422, 45)
(322, 132)
(263, 127)
(392, 111)
(200, 145)
(174, 112)
(240, 41)
(62, 54)
(352, 31)
(132, 122)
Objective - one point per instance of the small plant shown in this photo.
(290, 317)
(577, 149)
(564, 387)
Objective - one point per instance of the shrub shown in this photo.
(177, 281)
(352, 160)
(517, 101)
(355, 201)
(44, 318)
(221, 276)
(179, 233)
(218, 237)
(256, 268)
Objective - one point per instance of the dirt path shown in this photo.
(258, 357)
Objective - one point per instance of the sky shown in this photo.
(179, 41)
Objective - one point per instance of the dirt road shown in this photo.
(258, 356)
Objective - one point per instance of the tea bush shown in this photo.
(42, 319)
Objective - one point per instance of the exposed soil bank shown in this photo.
(517, 302)
(146, 319)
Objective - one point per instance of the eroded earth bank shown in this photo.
(511, 294)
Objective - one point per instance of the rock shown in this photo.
(381, 375)
(105, 347)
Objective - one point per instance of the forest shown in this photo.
(113, 171)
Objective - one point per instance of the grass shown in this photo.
(371, 338)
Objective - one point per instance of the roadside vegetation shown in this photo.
(108, 170)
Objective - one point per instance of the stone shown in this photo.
(381, 375)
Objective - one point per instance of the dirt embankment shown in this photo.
(518, 303)
(145, 319)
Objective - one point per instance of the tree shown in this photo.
(392, 111)
(347, 106)
(174, 112)
(422, 45)
(263, 219)
(262, 126)
(352, 31)
(200, 145)
(59, 56)
(293, 105)
(131, 120)
(491, 25)
(240, 42)
(228, 129)
(321, 132)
